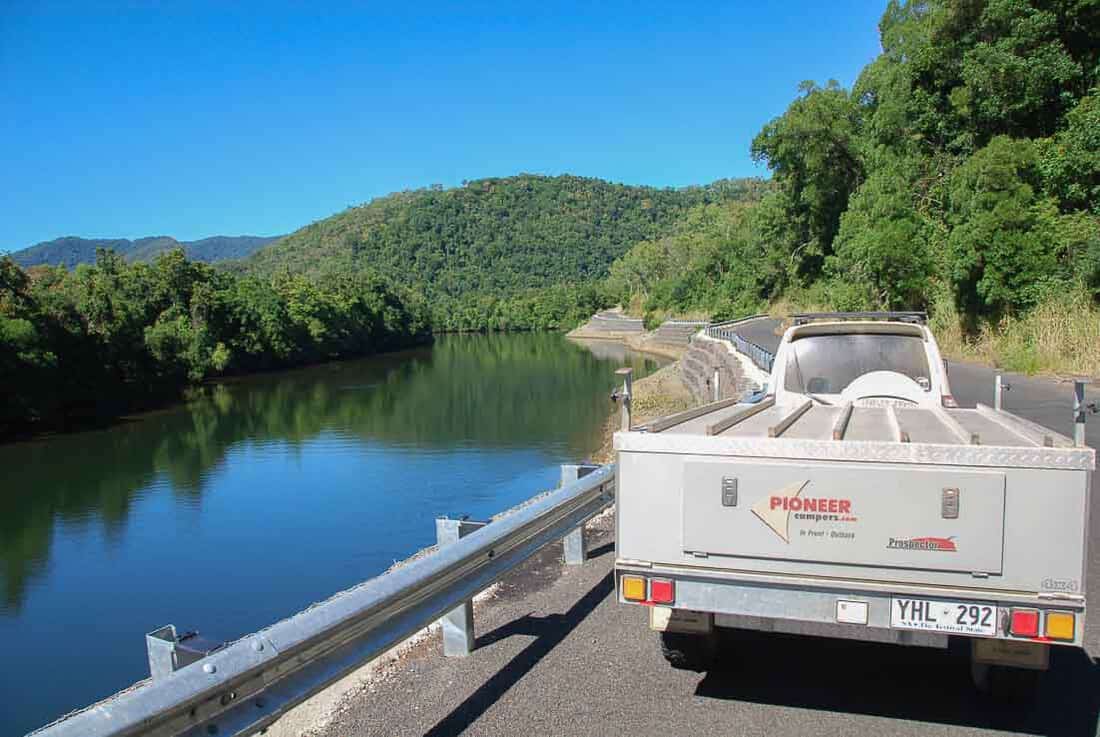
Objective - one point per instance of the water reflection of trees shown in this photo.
(482, 391)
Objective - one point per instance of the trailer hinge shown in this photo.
(697, 554)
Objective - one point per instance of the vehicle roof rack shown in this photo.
(919, 318)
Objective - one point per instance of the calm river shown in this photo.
(242, 507)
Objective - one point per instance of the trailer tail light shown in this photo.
(1024, 623)
(949, 402)
(1059, 625)
(633, 588)
(662, 591)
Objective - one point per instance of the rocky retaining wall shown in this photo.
(697, 366)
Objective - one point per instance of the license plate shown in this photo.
(951, 617)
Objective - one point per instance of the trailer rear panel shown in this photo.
(951, 514)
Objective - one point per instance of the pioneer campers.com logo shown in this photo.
(775, 510)
(939, 544)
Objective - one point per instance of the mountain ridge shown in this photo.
(71, 251)
(465, 249)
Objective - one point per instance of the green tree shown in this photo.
(813, 151)
(882, 250)
(113, 336)
(1002, 244)
(1070, 161)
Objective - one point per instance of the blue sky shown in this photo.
(191, 119)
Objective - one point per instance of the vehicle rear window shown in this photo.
(827, 364)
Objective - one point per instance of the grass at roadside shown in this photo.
(1060, 336)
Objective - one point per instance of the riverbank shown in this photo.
(83, 347)
(105, 412)
(662, 393)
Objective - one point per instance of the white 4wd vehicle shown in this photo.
(855, 499)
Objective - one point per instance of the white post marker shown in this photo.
(1079, 408)
(626, 396)
(998, 393)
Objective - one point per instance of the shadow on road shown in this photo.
(547, 631)
(602, 550)
(917, 684)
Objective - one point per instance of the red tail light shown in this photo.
(1025, 623)
(949, 402)
(662, 591)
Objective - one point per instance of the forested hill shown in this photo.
(465, 249)
(961, 173)
(71, 250)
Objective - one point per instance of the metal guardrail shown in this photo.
(245, 686)
(727, 323)
(727, 331)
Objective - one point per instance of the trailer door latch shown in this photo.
(729, 491)
(949, 507)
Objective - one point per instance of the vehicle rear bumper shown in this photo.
(855, 610)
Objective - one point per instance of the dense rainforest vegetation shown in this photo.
(522, 252)
(961, 173)
(89, 344)
(72, 251)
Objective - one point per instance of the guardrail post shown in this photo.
(169, 651)
(575, 545)
(457, 624)
(161, 645)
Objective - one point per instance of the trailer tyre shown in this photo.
(689, 650)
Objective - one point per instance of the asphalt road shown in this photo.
(558, 656)
(762, 332)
